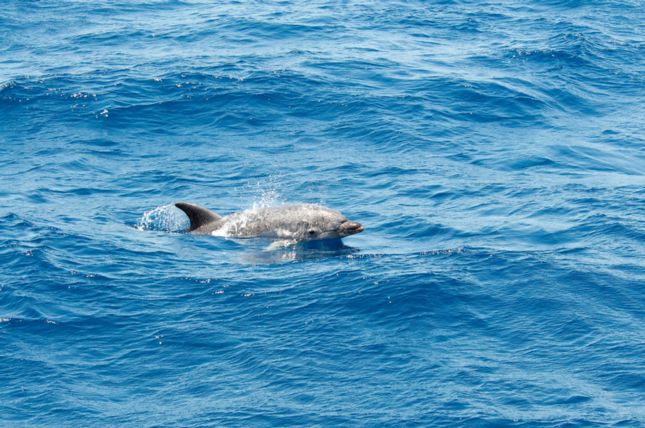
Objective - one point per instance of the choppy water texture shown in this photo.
(494, 152)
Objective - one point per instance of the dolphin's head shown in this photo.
(319, 222)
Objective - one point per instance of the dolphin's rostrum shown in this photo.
(303, 222)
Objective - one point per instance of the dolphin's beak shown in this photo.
(350, 228)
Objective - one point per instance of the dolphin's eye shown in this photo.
(311, 232)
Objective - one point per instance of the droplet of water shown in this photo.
(267, 193)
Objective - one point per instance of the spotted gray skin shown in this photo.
(303, 222)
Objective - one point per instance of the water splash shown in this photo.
(267, 193)
(264, 194)
(165, 218)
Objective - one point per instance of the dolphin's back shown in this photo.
(285, 221)
(288, 222)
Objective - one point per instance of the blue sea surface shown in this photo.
(493, 150)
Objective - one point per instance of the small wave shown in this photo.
(164, 218)
(7, 84)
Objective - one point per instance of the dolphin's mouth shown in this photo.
(351, 228)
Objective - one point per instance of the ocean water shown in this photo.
(493, 150)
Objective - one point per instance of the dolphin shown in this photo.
(288, 223)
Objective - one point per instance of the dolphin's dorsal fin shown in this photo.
(198, 216)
